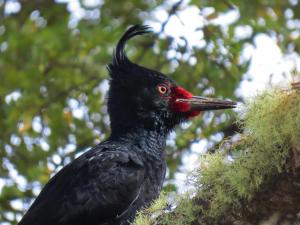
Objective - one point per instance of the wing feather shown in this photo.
(95, 188)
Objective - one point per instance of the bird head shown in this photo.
(139, 96)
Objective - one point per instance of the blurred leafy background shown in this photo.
(53, 78)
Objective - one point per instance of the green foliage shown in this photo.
(229, 178)
(51, 66)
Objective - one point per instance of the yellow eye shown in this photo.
(162, 89)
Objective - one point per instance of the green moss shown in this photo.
(159, 213)
(148, 216)
(271, 124)
(142, 219)
(183, 214)
(271, 131)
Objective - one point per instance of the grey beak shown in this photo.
(199, 103)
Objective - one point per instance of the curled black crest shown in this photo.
(120, 56)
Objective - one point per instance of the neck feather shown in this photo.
(149, 141)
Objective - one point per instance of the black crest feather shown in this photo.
(120, 56)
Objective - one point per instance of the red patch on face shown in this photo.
(181, 106)
(193, 114)
(177, 93)
(180, 92)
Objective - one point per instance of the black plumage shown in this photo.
(109, 183)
